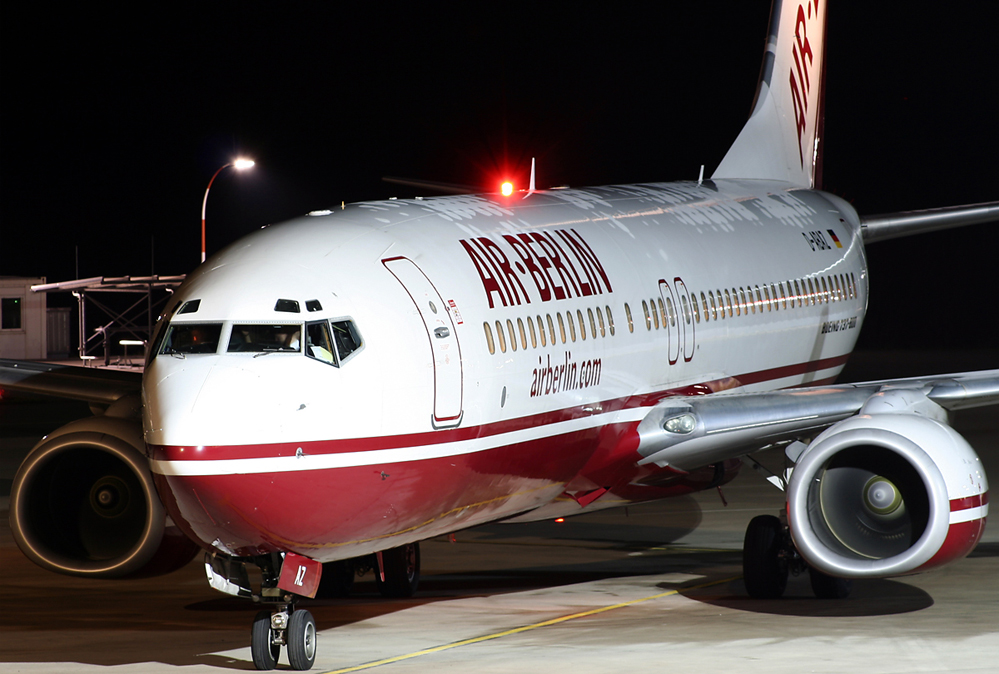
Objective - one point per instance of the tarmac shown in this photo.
(649, 588)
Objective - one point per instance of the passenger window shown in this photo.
(593, 323)
(797, 292)
(728, 302)
(655, 316)
(534, 338)
(610, 320)
(318, 344)
(500, 336)
(671, 311)
(551, 330)
(523, 335)
(742, 300)
(766, 297)
(345, 338)
(704, 305)
(582, 325)
(600, 318)
(648, 319)
(686, 309)
(662, 311)
(627, 313)
(572, 326)
(541, 331)
(714, 307)
(693, 304)
(489, 337)
(561, 327)
(513, 335)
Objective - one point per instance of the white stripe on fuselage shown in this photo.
(305, 462)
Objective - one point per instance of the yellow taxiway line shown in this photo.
(526, 628)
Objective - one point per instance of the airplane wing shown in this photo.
(102, 387)
(685, 433)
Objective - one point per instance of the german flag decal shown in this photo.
(834, 238)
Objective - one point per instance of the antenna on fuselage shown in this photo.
(700, 176)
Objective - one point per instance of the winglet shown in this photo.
(781, 140)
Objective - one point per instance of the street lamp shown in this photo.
(239, 165)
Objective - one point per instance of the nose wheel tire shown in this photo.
(265, 652)
(301, 640)
(764, 561)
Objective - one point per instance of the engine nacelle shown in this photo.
(83, 503)
(886, 495)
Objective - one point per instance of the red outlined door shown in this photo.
(673, 325)
(439, 323)
(687, 325)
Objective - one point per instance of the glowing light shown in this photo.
(507, 188)
(241, 164)
(560, 520)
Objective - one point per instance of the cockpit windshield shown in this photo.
(251, 337)
(184, 338)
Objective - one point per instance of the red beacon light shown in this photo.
(506, 188)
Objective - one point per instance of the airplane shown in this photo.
(325, 393)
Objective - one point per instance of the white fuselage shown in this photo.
(456, 300)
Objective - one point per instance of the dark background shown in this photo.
(113, 120)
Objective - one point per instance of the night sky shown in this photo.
(114, 120)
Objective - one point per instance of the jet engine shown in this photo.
(83, 503)
(881, 495)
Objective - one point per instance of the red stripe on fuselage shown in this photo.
(336, 446)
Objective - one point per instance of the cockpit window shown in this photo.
(318, 344)
(331, 342)
(346, 338)
(190, 307)
(184, 338)
(265, 338)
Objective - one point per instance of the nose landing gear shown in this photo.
(294, 629)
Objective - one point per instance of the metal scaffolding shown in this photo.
(127, 322)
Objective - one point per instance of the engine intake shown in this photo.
(83, 503)
(873, 497)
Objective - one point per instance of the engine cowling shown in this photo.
(83, 503)
(885, 495)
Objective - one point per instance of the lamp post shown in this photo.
(239, 164)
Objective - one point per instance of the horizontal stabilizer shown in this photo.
(894, 225)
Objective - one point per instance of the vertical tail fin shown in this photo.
(781, 140)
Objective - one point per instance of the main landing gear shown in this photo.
(768, 557)
(282, 624)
